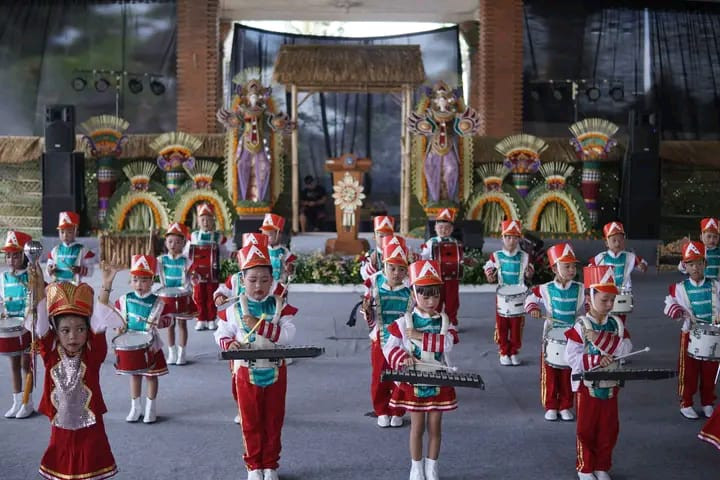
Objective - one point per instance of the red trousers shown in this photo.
(597, 431)
(262, 412)
(380, 392)
(690, 370)
(711, 431)
(508, 334)
(450, 299)
(555, 389)
(203, 297)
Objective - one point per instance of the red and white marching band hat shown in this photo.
(709, 225)
(601, 278)
(392, 240)
(254, 239)
(395, 254)
(68, 220)
(273, 222)
(253, 256)
(205, 209)
(143, 265)
(15, 241)
(562, 252)
(178, 229)
(425, 272)
(446, 215)
(511, 227)
(613, 228)
(693, 251)
(383, 224)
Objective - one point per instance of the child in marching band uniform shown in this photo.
(711, 430)
(141, 310)
(173, 270)
(564, 300)
(509, 266)
(281, 257)
(594, 342)
(387, 297)
(421, 339)
(694, 300)
(383, 226)
(259, 320)
(13, 294)
(204, 289)
(69, 261)
(709, 236)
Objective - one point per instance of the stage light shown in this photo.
(535, 94)
(593, 93)
(617, 93)
(157, 87)
(558, 94)
(135, 86)
(101, 84)
(78, 84)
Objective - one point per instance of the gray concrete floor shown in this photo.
(498, 433)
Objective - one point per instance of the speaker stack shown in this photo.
(63, 170)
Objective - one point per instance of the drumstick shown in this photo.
(257, 324)
(646, 349)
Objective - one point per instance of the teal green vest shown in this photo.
(238, 280)
(262, 377)
(426, 325)
(392, 304)
(700, 299)
(66, 257)
(15, 293)
(563, 304)
(510, 267)
(609, 326)
(138, 311)
(712, 268)
(173, 270)
(618, 264)
(277, 260)
(206, 238)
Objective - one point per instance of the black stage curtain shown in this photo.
(335, 123)
(43, 45)
(605, 44)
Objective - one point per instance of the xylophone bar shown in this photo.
(625, 374)
(439, 378)
(272, 353)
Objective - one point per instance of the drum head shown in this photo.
(173, 292)
(131, 340)
(11, 323)
(707, 329)
(557, 335)
(511, 290)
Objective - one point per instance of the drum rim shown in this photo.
(705, 327)
(14, 328)
(136, 346)
(178, 292)
(554, 340)
(500, 287)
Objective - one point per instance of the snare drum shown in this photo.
(705, 342)
(511, 300)
(554, 345)
(132, 351)
(205, 261)
(623, 303)
(14, 339)
(178, 301)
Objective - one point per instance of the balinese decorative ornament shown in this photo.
(348, 195)
(522, 158)
(139, 174)
(104, 136)
(592, 139)
(555, 206)
(175, 151)
(497, 201)
(202, 173)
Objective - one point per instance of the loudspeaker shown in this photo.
(473, 234)
(60, 128)
(644, 129)
(63, 189)
(640, 203)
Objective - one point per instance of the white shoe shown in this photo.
(396, 421)
(551, 415)
(135, 410)
(515, 360)
(567, 415)
(383, 421)
(431, 469)
(17, 403)
(288, 361)
(417, 470)
(689, 412)
(270, 474)
(211, 325)
(602, 475)
(201, 325)
(708, 410)
(586, 476)
(26, 409)
(505, 360)
(172, 354)
(237, 419)
(150, 416)
(180, 356)
(255, 475)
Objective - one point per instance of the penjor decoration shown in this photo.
(522, 158)
(105, 137)
(139, 206)
(555, 206)
(497, 201)
(444, 126)
(592, 139)
(175, 151)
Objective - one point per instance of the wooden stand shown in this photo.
(347, 241)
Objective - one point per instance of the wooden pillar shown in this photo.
(406, 187)
(294, 166)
